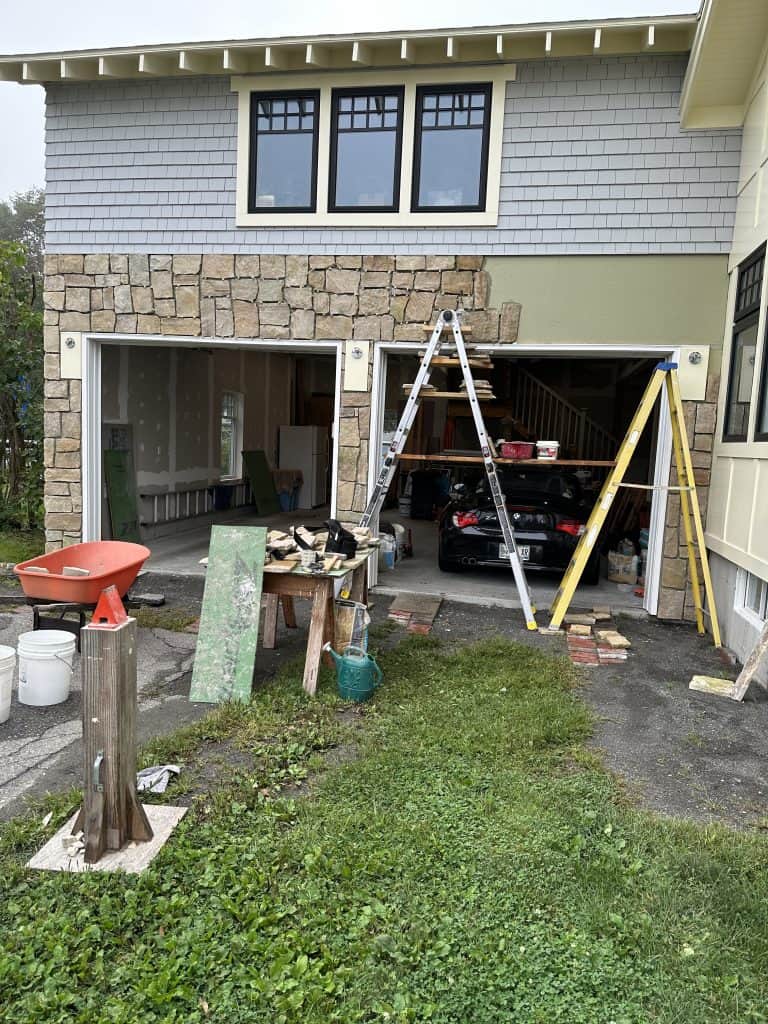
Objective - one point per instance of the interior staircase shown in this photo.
(547, 416)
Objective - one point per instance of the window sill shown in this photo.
(750, 617)
(368, 220)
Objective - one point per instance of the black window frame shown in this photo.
(762, 398)
(744, 317)
(762, 404)
(281, 94)
(432, 90)
(336, 95)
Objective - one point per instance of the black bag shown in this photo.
(340, 541)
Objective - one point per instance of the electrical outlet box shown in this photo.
(692, 372)
(71, 355)
(356, 365)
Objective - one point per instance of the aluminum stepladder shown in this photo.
(664, 377)
(450, 320)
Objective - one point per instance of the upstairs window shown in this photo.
(231, 436)
(741, 374)
(283, 157)
(381, 149)
(450, 160)
(366, 140)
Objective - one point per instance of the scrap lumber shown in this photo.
(726, 687)
(712, 684)
(751, 666)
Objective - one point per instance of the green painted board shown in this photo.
(263, 486)
(121, 494)
(229, 622)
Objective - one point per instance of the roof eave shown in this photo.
(486, 44)
(725, 57)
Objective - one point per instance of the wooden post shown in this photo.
(111, 814)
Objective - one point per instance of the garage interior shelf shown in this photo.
(452, 394)
(470, 459)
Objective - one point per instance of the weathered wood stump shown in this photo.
(111, 814)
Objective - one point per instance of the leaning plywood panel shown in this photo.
(229, 623)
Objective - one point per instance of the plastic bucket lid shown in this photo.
(40, 641)
(6, 654)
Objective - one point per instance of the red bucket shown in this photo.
(517, 449)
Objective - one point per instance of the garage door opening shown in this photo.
(178, 424)
(439, 494)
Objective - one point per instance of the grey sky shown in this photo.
(40, 25)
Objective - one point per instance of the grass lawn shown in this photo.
(18, 545)
(473, 863)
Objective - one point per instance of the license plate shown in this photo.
(523, 550)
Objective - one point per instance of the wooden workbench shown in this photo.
(282, 588)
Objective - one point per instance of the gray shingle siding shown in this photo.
(593, 162)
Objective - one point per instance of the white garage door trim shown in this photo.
(92, 472)
(572, 350)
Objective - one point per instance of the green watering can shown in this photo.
(357, 673)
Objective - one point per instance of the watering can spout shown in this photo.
(336, 657)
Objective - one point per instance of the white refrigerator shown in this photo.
(307, 449)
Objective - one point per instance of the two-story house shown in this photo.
(247, 236)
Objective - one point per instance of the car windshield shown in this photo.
(536, 481)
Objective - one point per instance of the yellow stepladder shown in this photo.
(664, 377)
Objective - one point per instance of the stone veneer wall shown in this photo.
(675, 596)
(371, 298)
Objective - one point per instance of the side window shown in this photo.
(366, 138)
(231, 435)
(743, 347)
(283, 154)
(752, 595)
(450, 154)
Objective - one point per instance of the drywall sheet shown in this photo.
(121, 495)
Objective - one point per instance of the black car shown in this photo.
(548, 514)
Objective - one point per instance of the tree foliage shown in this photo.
(22, 220)
(21, 391)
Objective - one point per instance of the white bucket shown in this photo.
(7, 665)
(45, 666)
(547, 450)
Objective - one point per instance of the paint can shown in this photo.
(7, 666)
(45, 666)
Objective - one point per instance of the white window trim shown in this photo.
(497, 75)
(237, 439)
(740, 600)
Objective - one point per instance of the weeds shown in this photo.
(473, 864)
